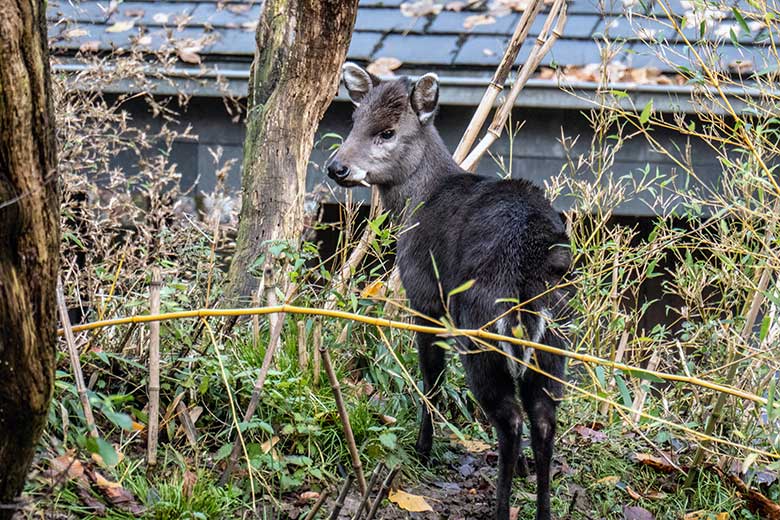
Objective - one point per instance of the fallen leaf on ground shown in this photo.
(309, 496)
(116, 494)
(610, 480)
(270, 443)
(161, 18)
(74, 33)
(189, 55)
(122, 26)
(756, 501)
(382, 67)
(188, 482)
(590, 434)
(409, 502)
(66, 463)
(705, 515)
(637, 513)
(657, 463)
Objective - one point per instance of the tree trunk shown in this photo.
(29, 241)
(301, 45)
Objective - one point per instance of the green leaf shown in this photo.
(388, 440)
(740, 20)
(104, 449)
(223, 452)
(461, 288)
(644, 117)
(641, 374)
(624, 392)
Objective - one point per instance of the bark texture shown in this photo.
(301, 45)
(29, 241)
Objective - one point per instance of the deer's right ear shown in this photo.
(425, 97)
(358, 82)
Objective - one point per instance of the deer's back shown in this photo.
(502, 234)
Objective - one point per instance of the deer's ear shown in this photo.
(425, 97)
(358, 81)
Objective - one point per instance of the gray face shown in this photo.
(385, 144)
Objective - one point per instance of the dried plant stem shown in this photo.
(383, 492)
(75, 364)
(186, 422)
(641, 395)
(371, 482)
(544, 42)
(497, 83)
(154, 370)
(273, 342)
(316, 362)
(318, 504)
(342, 496)
(303, 353)
(349, 437)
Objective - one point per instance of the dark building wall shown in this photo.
(536, 152)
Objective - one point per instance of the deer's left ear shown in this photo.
(425, 97)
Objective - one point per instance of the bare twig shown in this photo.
(349, 437)
(342, 496)
(383, 492)
(318, 504)
(154, 370)
(75, 364)
(316, 363)
(364, 500)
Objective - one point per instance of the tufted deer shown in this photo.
(503, 234)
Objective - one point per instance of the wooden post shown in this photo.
(154, 370)
(303, 353)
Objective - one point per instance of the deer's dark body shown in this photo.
(504, 235)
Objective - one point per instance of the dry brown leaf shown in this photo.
(610, 480)
(161, 18)
(409, 502)
(456, 6)
(238, 8)
(703, 514)
(388, 419)
(590, 434)
(90, 46)
(124, 25)
(472, 445)
(189, 55)
(657, 463)
(76, 32)
(309, 496)
(134, 13)
(144, 40)
(477, 19)
(188, 481)
(66, 463)
(116, 494)
(420, 8)
(513, 513)
(384, 67)
(375, 288)
(637, 513)
(270, 443)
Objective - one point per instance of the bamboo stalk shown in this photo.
(154, 370)
(340, 500)
(499, 79)
(273, 342)
(544, 42)
(316, 363)
(349, 437)
(303, 353)
(371, 482)
(75, 364)
(426, 329)
(383, 492)
(318, 504)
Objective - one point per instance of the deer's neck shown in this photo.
(421, 178)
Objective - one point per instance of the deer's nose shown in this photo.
(337, 171)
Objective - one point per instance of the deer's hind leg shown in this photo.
(432, 364)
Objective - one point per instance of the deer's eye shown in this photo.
(387, 134)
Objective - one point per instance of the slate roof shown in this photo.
(225, 30)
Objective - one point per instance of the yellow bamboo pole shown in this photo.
(440, 331)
